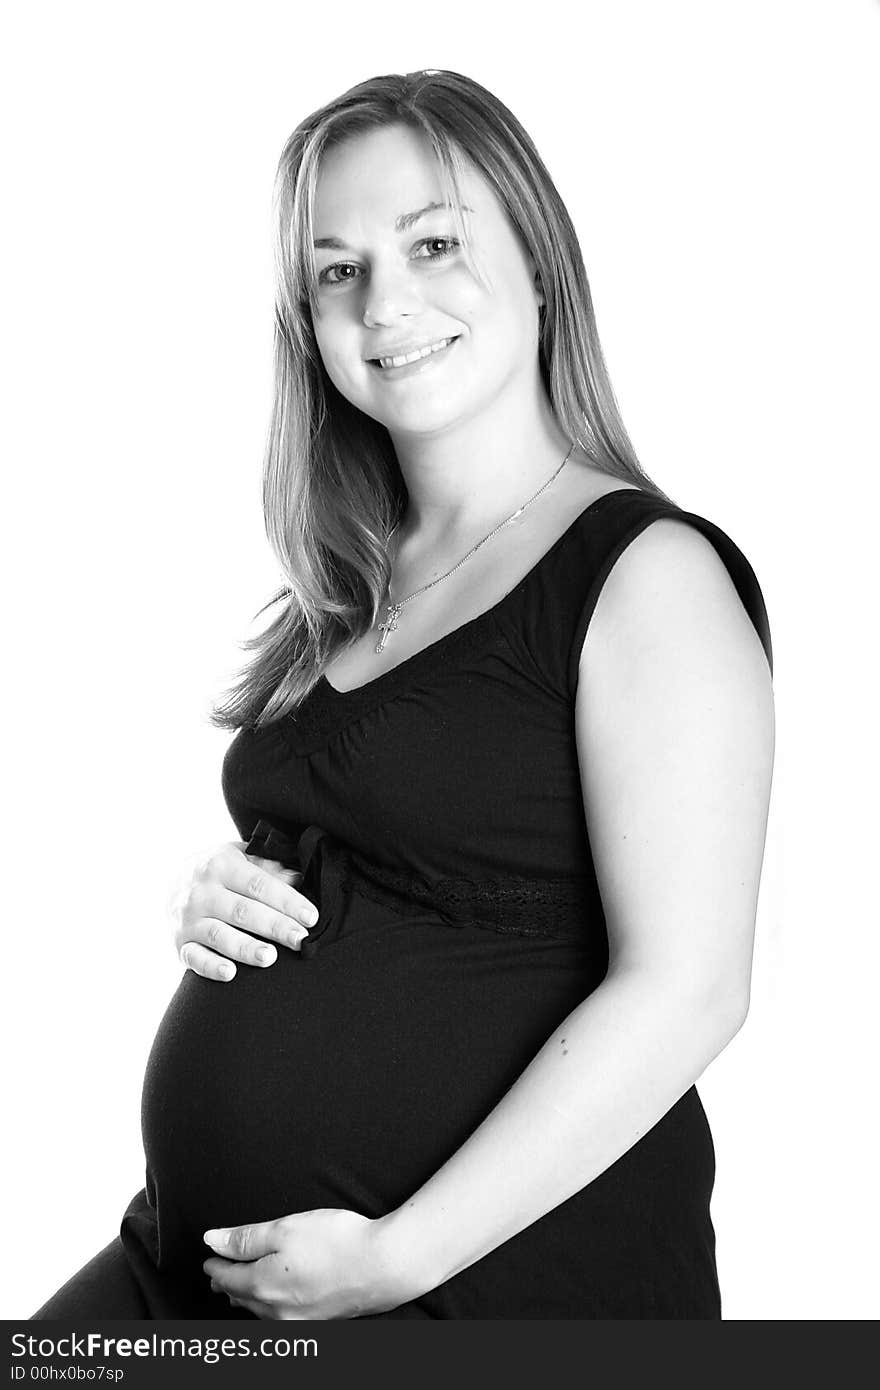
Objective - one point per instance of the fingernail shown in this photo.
(310, 917)
(265, 954)
(216, 1238)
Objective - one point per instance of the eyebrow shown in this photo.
(402, 224)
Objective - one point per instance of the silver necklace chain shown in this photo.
(394, 608)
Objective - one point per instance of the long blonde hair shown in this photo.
(332, 487)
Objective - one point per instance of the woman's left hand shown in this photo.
(324, 1263)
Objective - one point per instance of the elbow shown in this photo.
(718, 996)
(716, 1006)
(725, 1011)
(735, 1019)
(708, 1007)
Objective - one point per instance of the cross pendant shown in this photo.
(389, 625)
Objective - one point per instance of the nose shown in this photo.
(389, 295)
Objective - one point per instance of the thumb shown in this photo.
(244, 1242)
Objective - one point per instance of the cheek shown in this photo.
(499, 316)
(501, 336)
(326, 337)
(340, 356)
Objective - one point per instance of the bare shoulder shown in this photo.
(671, 590)
(675, 738)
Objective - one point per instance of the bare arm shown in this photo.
(675, 736)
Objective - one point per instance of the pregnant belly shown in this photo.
(346, 1079)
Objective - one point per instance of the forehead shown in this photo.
(376, 176)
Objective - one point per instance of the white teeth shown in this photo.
(414, 356)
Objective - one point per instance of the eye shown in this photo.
(447, 242)
(326, 276)
(345, 272)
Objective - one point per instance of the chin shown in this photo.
(425, 419)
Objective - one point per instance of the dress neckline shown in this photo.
(391, 677)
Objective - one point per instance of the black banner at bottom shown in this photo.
(293, 1354)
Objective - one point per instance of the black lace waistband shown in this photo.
(556, 909)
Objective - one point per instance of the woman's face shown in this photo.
(387, 290)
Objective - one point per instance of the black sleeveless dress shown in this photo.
(438, 817)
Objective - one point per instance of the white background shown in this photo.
(719, 162)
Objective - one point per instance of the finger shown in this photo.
(256, 1306)
(234, 1302)
(236, 1280)
(275, 867)
(224, 940)
(246, 1243)
(259, 1310)
(267, 889)
(206, 963)
(240, 916)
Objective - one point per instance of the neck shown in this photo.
(468, 478)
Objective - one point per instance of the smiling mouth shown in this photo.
(386, 363)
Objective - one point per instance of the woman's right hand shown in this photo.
(228, 890)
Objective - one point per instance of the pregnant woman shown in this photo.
(510, 734)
